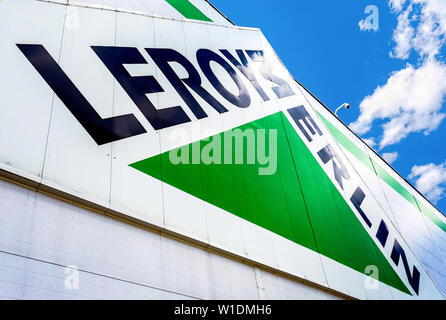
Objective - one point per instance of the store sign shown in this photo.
(113, 129)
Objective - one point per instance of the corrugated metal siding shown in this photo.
(40, 236)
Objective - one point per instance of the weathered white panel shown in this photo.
(26, 99)
(405, 215)
(72, 157)
(277, 288)
(133, 192)
(374, 213)
(413, 225)
(40, 236)
(299, 261)
(24, 278)
(151, 7)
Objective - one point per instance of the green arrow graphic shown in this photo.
(188, 10)
(299, 202)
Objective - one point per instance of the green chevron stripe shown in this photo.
(299, 202)
(380, 172)
(188, 10)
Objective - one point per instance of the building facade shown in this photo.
(155, 150)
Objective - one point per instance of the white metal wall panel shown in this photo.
(130, 190)
(183, 212)
(299, 261)
(148, 7)
(28, 104)
(412, 226)
(115, 260)
(277, 288)
(219, 221)
(67, 149)
(262, 245)
(374, 211)
(24, 278)
(406, 217)
(437, 234)
(152, 7)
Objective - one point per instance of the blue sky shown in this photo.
(324, 48)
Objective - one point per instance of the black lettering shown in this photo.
(357, 199)
(283, 89)
(114, 59)
(101, 130)
(340, 171)
(414, 278)
(205, 57)
(301, 114)
(245, 68)
(383, 233)
(162, 58)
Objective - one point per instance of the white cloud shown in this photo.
(431, 31)
(403, 35)
(410, 101)
(421, 27)
(390, 157)
(397, 5)
(430, 180)
(412, 98)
